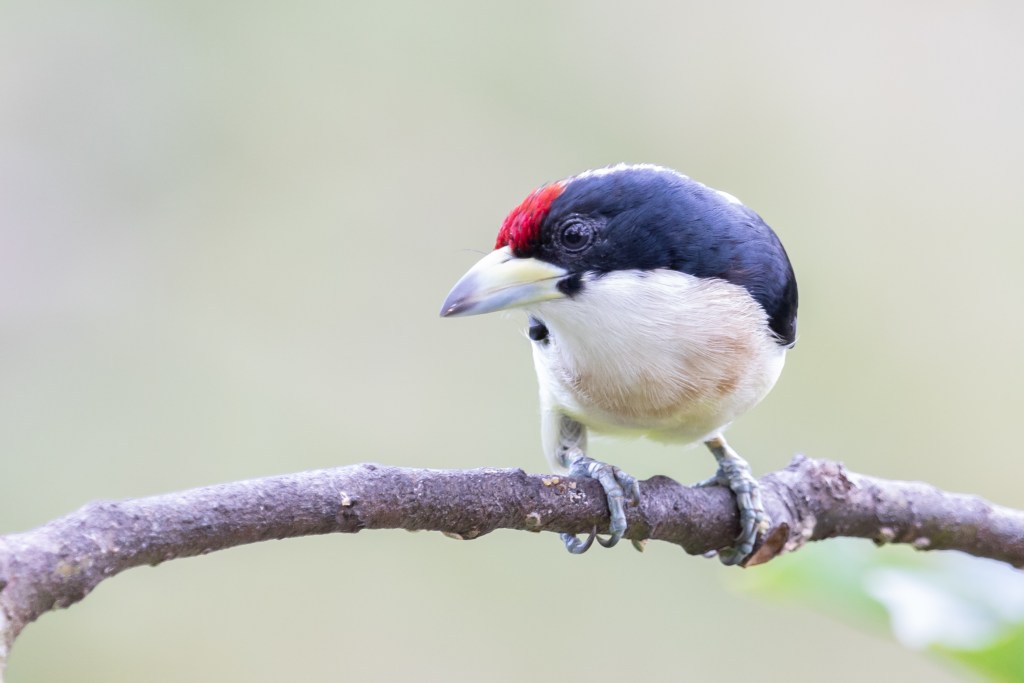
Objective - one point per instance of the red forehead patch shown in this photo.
(522, 227)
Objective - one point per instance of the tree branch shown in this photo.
(59, 563)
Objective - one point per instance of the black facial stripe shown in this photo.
(571, 284)
(537, 331)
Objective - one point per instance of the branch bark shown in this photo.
(59, 563)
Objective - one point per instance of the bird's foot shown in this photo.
(734, 472)
(619, 487)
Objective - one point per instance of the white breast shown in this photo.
(661, 353)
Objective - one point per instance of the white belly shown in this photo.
(676, 359)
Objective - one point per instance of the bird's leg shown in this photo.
(734, 472)
(618, 486)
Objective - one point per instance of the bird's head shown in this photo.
(634, 218)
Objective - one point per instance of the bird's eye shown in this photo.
(576, 235)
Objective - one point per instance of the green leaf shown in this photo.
(964, 608)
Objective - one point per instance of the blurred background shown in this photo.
(226, 230)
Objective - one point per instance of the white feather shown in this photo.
(660, 354)
(619, 168)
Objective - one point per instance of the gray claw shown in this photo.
(734, 472)
(575, 545)
(619, 488)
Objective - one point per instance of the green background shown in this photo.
(226, 229)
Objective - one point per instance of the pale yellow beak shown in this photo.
(501, 280)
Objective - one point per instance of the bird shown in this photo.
(657, 307)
